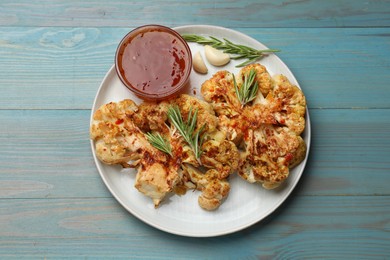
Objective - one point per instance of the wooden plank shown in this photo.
(303, 227)
(349, 152)
(62, 68)
(46, 154)
(337, 68)
(249, 13)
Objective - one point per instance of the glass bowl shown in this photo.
(154, 62)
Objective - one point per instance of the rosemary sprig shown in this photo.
(248, 91)
(241, 51)
(159, 142)
(187, 129)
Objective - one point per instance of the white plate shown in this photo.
(181, 215)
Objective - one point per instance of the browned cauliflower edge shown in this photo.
(118, 130)
(267, 130)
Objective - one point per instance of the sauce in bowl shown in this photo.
(153, 61)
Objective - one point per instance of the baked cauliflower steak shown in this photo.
(219, 157)
(269, 153)
(267, 130)
(119, 131)
(217, 152)
(114, 144)
(119, 141)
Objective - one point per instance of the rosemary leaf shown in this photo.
(247, 62)
(187, 129)
(159, 142)
(248, 90)
(240, 51)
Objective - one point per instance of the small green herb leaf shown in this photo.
(159, 142)
(240, 51)
(187, 129)
(248, 91)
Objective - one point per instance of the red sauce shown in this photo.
(153, 60)
(119, 121)
(289, 157)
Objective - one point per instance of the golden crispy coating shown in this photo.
(151, 116)
(114, 144)
(118, 130)
(118, 140)
(284, 105)
(263, 78)
(155, 177)
(213, 194)
(262, 170)
(220, 93)
(270, 152)
(214, 190)
(218, 152)
(220, 155)
(233, 128)
(268, 128)
(298, 154)
(293, 108)
(206, 115)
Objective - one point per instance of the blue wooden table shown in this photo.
(54, 54)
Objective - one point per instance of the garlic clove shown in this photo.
(198, 63)
(216, 57)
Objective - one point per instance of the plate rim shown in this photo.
(228, 230)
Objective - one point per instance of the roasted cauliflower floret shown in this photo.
(119, 129)
(293, 104)
(233, 128)
(270, 152)
(109, 129)
(220, 155)
(155, 177)
(219, 91)
(262, 170)
(284, 105)
(118, 140)
(151, 116)
(217, 152)
(263, 78)
(214, 190)
(213, 194)
(206, 115)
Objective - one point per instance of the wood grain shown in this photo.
(54, 54)
(250, 13)
(46, 154)
(304, 227)
(65, 66)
